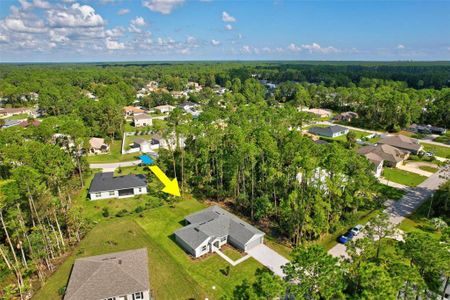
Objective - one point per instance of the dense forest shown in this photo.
(243, 149)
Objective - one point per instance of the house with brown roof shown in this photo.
(346, 116)
(98, 145)
(119, 276)
(132, 110)
(402, 142)
(390, 155)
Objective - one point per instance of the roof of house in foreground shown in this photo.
(108, 182)
(108, 275)
(215, 222)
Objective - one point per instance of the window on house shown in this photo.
(204, 248)
(223, 239)
(98, 195)
(140, 190)
(138, 295)
(111, 193)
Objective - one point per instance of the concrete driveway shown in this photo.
(402, 208)
(269, 258)
(110, 167)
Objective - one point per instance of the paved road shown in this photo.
(269, 258)
(384, 133)
(413, 198)
(109, 167)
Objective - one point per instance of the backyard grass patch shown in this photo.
(19, 117)
(389, 192)
(440, 151)
(403, 177)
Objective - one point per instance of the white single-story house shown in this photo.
(164, 108)
(211, 228)
(9, 112)
(143, 145)
(191, 108)
(142, 120)
(113, 276)
(106, 185)
(330, 131)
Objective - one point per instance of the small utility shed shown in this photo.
(330, 131)
(213, 227)
(106, 185)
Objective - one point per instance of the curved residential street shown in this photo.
(400, 209)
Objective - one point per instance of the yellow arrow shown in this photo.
(171, 186)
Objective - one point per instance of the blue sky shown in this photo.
(121, 30)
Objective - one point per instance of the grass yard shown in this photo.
(329, 240)
(114, 155)
(418, 221)
(173, 273)
(403, 177)
(440, 151)
(19, 117)
(389, 192)
(428, 169)
(359, 135)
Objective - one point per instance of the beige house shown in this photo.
(98, 145)
(132, 110)
(402, 142)
(164, 108)
(142, 120)
(9, 112)
(318, 112)
(390, 155)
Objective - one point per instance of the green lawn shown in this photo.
(418, 221)
(173, 273)
(359, 135)
(390, 192)
(429, 169)
(18, 117)
(403, 177)
(113, 156)
(440, 151)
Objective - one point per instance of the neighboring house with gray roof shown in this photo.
(211, 228)
(106, 185)
(330, 131)
(115, 276)
(402, 142)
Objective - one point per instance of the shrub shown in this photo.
(122, 213)
(105, 212)
(62, 291)
(139, 209)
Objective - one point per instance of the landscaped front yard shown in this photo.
(440, 151)
(403, 177)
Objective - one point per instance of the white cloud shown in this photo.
(316, 48)
(41, 4)
(139, 21)
(246, 49)
(115, 32)
(400, 46)
(228, 27)
(75, 16)
(162, 6)
(18, 25)
(294, 48)
(185, 51)
(114, 45)
(215, 42)
(123, 11)
(227, 17)
(311, 48)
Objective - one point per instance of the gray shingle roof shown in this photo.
(401, 141)
(327, 131)
(215, 222)
(108, 182)
(108, 275)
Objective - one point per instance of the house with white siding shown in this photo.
(211, 228)
(106, 185)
